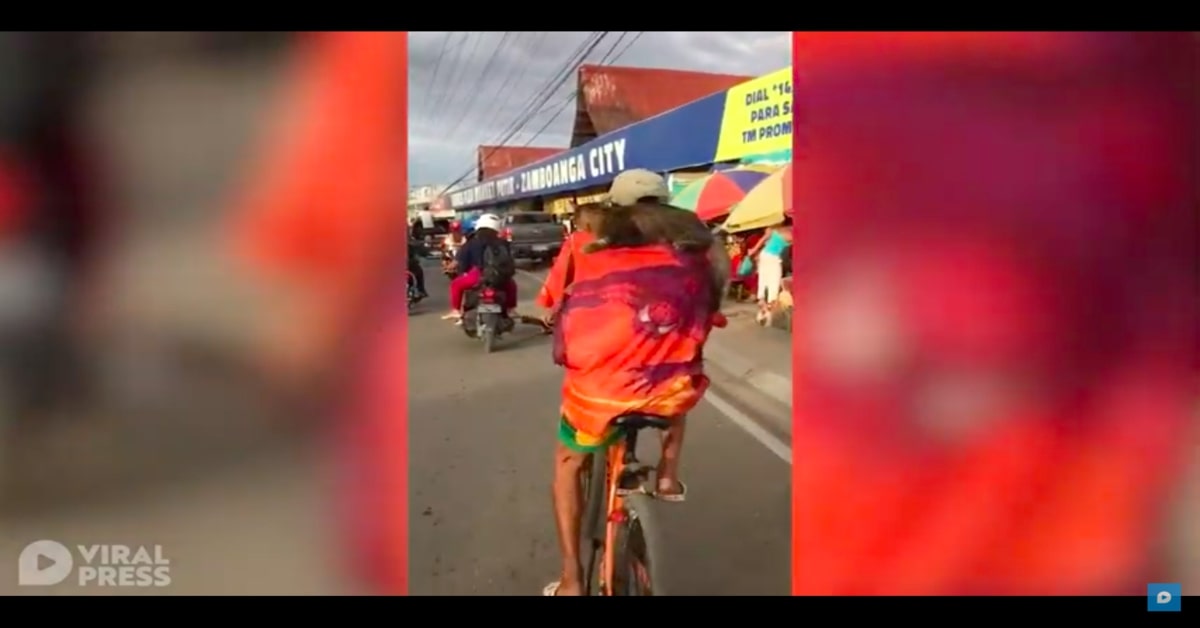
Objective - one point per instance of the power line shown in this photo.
(504, 91)
(558, 111)
(628, 46)
(545, 94)
(541, 96)
(609, 58)
(470, 104)
(539, 100)
(435, 112)
(574, 94)
(613, 47)
(455, 76)
(455, 101)
(453, 50)
(456, 48)
(437, 65)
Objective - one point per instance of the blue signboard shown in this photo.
(685, 136)
(751, 118)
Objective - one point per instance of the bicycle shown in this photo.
(619, 531)
(412, 295)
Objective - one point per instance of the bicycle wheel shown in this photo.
(637, 571)
(592, 523)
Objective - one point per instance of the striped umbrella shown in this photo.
(713, 196)
(765, 205)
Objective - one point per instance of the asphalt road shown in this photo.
(481, 434)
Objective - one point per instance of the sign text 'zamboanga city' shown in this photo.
(601, 160)
(770, 109)
(607, 158)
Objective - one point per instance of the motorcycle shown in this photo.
(485, 317)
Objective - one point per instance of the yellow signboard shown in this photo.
(567, 204)
(559, 206)
(757, 118)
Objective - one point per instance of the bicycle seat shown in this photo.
(636, 421)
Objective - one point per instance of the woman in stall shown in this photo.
(745, 279)
(768, 256)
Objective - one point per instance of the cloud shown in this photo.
(469, 88)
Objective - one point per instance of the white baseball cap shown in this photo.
(631, 186)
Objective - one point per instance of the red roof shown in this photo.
(494, 161)
(614, 97)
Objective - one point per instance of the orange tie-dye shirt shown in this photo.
(630, 331)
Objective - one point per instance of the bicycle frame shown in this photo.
(614, 503)
(622, 464)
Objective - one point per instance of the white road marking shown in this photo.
(773, 443)
(540, 275)
(750, 426)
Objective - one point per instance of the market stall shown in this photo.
(712, 196)
(767, 207)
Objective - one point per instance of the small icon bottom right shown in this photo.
(1162, 597)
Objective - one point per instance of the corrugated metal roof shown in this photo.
(613, 97)
(494, 161)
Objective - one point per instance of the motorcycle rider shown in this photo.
(454, 235)
(416, 249)
(452, 241)
(470, 265)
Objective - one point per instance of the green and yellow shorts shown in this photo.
(584, 443)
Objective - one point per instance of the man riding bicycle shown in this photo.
(630, 326)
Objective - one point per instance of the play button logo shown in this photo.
(44, 564)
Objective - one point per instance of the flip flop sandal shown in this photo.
(673, 498)
(551, 590)
(641, 490)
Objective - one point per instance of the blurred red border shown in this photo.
(1037, 55)
(324, 211)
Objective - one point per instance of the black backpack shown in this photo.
(498, 264)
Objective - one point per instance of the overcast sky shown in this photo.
(482, 87)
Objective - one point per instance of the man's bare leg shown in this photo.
(568, 513)
(668, 463)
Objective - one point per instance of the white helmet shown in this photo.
(489, 221)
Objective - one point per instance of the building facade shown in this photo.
(753, 117)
